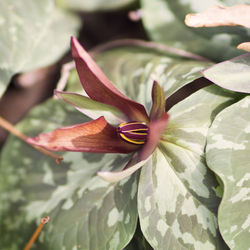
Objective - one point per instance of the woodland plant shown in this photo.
(144, 165)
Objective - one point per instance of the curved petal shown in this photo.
(94, 136)
(117, 176)
(99, 88)
(156, 128)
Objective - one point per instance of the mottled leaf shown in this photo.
(33, 34)
(133, 72)
(177, 196)
(228, 155)
(233, 74)
(86, 212)
(164, 22)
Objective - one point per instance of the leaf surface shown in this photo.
(233, 74)
(34, 34)
(228, 155)
(164, 22)
(177, 197)
(85, 211)
(133, 71)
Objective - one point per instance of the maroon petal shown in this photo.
(99, 88)
(156, 128)
(94, 136)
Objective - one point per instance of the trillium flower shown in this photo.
(127, 127)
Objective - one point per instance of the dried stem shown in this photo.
(66, 68)
(9, 127)
(44, 221)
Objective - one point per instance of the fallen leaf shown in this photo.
(244, 46)
(221, 16)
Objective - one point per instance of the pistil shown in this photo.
(133, 132)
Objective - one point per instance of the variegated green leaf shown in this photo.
(33, 34)
(170, 217)
(177, 192)
(228, 155)
(133, 72)
(86, 212)
(164, 22)
(95, 5)
(233, 74)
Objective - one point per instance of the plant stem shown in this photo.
(44, 221)
(9, 127)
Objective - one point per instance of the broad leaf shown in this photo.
(228, 155)
(95, 5)
(177, 196)
(164, 22)
(133, 72)
(233, 74)
(33, 34)
(85, 211)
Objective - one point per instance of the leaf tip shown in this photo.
(244, 46)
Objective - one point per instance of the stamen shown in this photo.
(44, 221)
(133, 132)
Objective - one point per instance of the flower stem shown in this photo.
(9, 127)
(44, 221)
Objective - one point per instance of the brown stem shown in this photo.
(44, 221)
(9, 127)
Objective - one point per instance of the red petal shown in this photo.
(156, 128)
(94, 136)
(99, 88)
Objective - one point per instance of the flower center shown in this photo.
(133, 132)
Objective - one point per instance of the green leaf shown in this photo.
(94, 5)
(133, 72)
(233, 74)
(34, 34)
(228, 155)
(85, 211)
(164, 22)
(177, 198)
